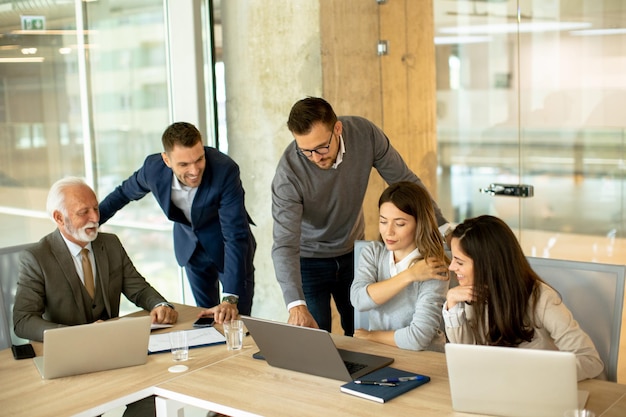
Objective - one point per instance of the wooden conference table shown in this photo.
(235, 384)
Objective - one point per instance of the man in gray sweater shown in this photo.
(317, 197)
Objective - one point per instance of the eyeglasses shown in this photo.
(321, 150)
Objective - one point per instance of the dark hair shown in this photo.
(504, 283)
(180, 133)
(415, 200)
(309, 111)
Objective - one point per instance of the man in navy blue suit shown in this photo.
(200, 190)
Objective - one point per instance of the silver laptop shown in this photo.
(311, 351)
(94, 347)
(512, 382)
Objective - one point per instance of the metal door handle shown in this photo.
(510, 190)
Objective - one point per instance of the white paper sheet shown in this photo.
(197, 337)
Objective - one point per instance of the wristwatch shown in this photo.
(166, 304)
(230, 299)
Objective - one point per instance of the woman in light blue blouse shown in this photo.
(402, 279)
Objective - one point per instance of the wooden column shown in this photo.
(396, 91)
(409, 84)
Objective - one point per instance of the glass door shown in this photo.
(531, 123)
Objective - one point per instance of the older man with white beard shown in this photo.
(61, 284)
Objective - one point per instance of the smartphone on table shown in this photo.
(204, 322)
(23, 351)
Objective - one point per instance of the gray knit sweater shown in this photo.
(318, 213)
(414, 313)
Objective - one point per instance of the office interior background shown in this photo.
(523, 92)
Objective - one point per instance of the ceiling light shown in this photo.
(52, 32)
(599, 32)
(525, 27)
(21, 60)
(457, 40)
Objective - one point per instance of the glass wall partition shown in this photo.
(128, 85)
(85, 92)
(532, 93)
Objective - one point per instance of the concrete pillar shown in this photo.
(272, 59)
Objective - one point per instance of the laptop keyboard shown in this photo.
(354, 366)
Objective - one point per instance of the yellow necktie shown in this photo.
(87, 271)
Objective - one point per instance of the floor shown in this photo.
(189, 411)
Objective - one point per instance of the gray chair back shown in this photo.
(594, 293)
(361, 318)
(9, 272)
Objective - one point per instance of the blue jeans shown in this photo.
(323, 277)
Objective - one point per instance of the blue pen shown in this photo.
(404, 378)
(381, 383)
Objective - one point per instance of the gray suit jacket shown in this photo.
(50, 292)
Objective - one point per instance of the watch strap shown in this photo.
(166, 304)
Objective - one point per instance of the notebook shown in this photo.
(383, 393)
(512, 382)
(310, 351)
(94, 347)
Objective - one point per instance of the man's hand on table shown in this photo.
(300, 316)
(164, 315)
(222, 312)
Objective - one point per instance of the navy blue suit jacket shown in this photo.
(220, 222)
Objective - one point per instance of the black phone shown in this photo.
(204, 322)
(23, 351)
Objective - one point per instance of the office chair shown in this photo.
(594, 293)
(9, 272)
(361, 318)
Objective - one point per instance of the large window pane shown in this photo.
(128, 86)
(64, 103)
(536, 98)
(40, 125)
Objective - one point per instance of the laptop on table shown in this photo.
(513, 382)
(75, 350)
(310, 351)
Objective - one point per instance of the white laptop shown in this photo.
(512, 382)
(94, 347)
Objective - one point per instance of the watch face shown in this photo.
(231, 299)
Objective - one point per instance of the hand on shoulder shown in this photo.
(433, 269)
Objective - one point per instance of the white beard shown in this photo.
(81, 235)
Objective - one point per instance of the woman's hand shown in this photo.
(459, 294)
(433, 269)
(361, 334)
